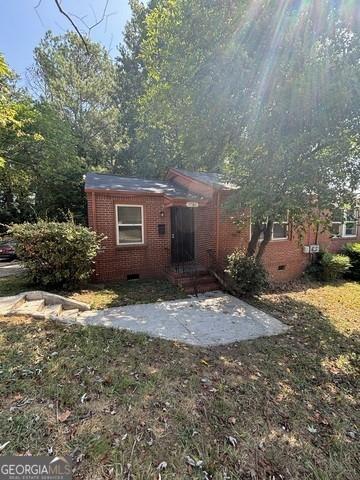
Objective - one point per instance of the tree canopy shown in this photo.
(79, 83)
(265, 92)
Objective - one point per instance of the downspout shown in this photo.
(93, 221)
(93, 210)
(217, 226)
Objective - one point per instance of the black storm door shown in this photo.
(182, 234)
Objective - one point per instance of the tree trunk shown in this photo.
(255, 235)
(266, 240)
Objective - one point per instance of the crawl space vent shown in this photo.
(133, 276)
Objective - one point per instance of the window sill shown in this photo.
(130, 246)
(276, 240)
(343, 237)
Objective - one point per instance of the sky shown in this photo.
(22, 26)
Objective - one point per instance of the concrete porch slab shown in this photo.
(213, 318)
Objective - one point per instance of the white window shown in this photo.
(280, 231)
(129, 224)
(344, 224)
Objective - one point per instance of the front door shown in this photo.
(182, 234)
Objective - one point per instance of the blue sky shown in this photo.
(21, 28)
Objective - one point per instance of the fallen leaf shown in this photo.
(64, 416)
(232, 420)
(311, 429)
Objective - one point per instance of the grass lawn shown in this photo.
(102, 296)
(274, 408)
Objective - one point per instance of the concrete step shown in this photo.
(177, 275)
(49, 311)
(69, 314)
(29, 307)
(8, 304)
(189, 281)
(40, 304)
(207, 287)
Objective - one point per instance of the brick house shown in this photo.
(154, 227)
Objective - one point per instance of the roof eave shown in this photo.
(196, 180)
(126, 192)
(181, 174)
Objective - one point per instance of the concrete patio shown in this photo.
(213, 318)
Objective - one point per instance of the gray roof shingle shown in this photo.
(99, 181)
(213, 179)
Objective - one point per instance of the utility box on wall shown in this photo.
(161, 229)
(311, 249)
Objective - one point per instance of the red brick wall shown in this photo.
(288, 254)
(205, 232)
(231, 235)
(152, 258)
(191, 185)
(336, 244)
(278, 253)
(116, 262)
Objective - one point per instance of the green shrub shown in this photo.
(249, 274)
(314, 271)
(352, 250)
(56, 254)
(334, 266)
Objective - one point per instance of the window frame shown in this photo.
(343, 225)
(280, 239)
(129, 225)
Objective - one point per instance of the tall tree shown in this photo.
(17, 116)
(57, 170)
(264, 91)
(78, 83)
(131, 80)
(16, 110)
(41, 174)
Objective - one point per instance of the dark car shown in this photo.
(7, 250)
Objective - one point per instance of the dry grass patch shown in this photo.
(100, 296)
(122, 403)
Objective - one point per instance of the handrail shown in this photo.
(181, 267)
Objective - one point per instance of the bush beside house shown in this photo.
(334, 266)
(248, 273)
(352, 250)
(329, 267)
(54, 253)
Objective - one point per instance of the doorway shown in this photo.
(182, 234)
